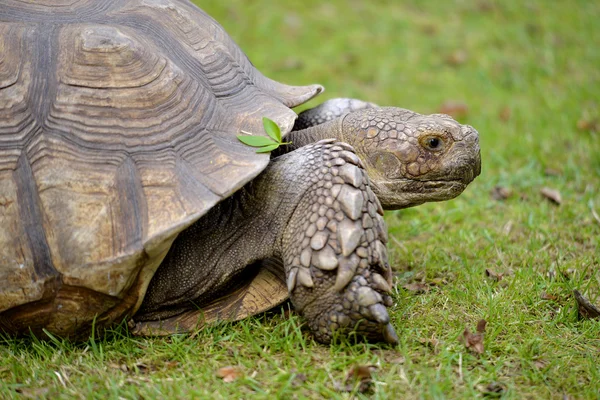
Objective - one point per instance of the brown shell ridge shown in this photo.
(210, 55)
(290, 96)
(133, 212)
(32, 219)
(61, 11)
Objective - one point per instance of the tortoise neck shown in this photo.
(328, 130)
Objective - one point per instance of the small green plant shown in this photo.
(264, 144)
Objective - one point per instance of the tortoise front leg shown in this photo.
(334, 247)
(312, 208)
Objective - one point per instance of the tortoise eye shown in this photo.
(433, 143)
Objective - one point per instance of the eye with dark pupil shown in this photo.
(433, 143)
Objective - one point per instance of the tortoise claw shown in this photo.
(389, 334)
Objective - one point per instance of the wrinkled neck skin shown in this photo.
(328, 130)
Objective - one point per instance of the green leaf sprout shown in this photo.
(264, 144)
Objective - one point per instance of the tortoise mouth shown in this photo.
(404, 193)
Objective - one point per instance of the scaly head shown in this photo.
(412, 158)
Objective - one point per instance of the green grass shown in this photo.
(528, 74)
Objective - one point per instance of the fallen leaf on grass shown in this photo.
(591, 125)
(430, 29)
(540, 364)
(122, 367)
(474, 341)
(585, 307)
(416, 287)
(457, 58)
(552, 195)
(229, 374)
(493, 389)
(481, 325)
(171, 364)
(454, 108)
(500, 193)
(493, 275)
(504, 113)
(546, 296)
(552, 172)
(485, 6)
(359, 377)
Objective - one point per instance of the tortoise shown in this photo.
(125, 194)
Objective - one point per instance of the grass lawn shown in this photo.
(525, 74)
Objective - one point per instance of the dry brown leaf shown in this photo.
(430, 29)
(486, 6)
(540, 364)
(587, 124)
(474, 341)
(481, 325)
(416, 287)
(552, 172)
(504, 114)
(457, 58)
(122, 367)
(494, 275)
(585, 307)
(546, 296)
(552, 194)
(229, 374)
(454, 108)
(500, 193)
(359, 377)
(171, 364)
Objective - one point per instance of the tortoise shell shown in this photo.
(118, 124)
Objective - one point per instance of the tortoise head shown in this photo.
(412, 158)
